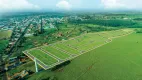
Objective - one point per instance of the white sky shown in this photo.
(12, 5)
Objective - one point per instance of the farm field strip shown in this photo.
(62, 50)
(86, 43)
(40, 62)
(32, 58)
(45, 58)
(66, 48)
(56, 52)
(50, 54)
(123, 35)
(74, 47)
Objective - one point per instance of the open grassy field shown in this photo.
(45, 58)
(66, 48)
(119, 60)
(5, 34)
(54, 54)
(86, 42)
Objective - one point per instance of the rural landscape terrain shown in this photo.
(71, 46)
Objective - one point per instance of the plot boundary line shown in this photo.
(72, 57)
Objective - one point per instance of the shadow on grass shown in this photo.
(61, 65)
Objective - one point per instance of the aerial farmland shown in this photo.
(70, 45)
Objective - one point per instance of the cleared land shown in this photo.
(119, 60)
(5, 34)
(55, 52)
(62, 51)
(44, 57)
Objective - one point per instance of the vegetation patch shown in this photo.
(3, 45)
(5, 34)
(114, 23)
(57, 53)
(119, 59)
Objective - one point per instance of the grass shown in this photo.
(5, 34)
(119, 60)
(64, 50)
(56, 52)
(86, 42)
(44, 57)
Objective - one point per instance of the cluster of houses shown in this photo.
(19, 76)
(36, 22)
(15, 62)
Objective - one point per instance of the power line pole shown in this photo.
(36, 65)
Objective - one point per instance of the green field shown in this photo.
(66, 48)
(119, 60)
(44, 57)
(55, 52)
(86, 42)
(5, 34)
(69, 49)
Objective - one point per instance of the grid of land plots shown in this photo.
(51, 55)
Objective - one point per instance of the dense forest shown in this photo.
(113, 23)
